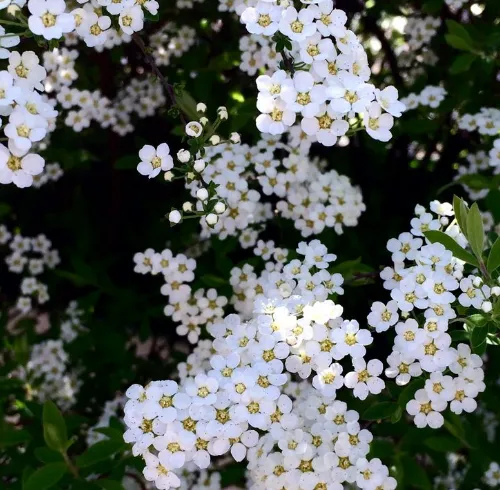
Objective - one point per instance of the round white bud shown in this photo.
(212, 219)
(495, 291)
(183, 156)
(477, 282)
(220, 207)
(201, 107)
(168, 176)
(204, 120)
(202, 194)
(215, 140)
(235, 138)
(174, 216)
(187, 206)
(199, 165)
(486, 306)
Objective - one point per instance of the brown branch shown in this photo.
(137, 479)
(151, 61)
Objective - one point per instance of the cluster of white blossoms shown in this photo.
(258, 53)
(236, 392)
(48, 376)
(455, 4)
(72, 325)
(52, 172)
(29, 114)
(492, 476)
(477, 163)
(29, 257)
(192, 309)
(486, 122)
(431, 96)
(328, 87)
(171, 41)
(420, 31)
(427, 282)
(112, 408)
(315, 199)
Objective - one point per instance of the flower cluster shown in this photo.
(72, 326)
(486, 122)
(426, 281)
(328, 88)
(236, 394)
(171, 41)
(193, 310)
(30, 256)
(431, 96)
(420, 31)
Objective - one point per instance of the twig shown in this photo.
(151, 61)
(288, 62)
(137, 480)
(372, 26)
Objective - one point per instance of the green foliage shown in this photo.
(54, 428)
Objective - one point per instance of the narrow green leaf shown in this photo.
(99, 452)
(494, 256)
(47, 455)
(13, 437)
(435, 236)
(459, 30)
(443, 444)
(458, 42)
(380, 410)
(478, 337)
(462, 63)
(461, 211)
(475, 230)
(54, 427)
(46, 477)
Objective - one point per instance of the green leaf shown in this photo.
(110, 432)
(213, 281)
(458, 42)
(47, 455)
(435, 236)
(477, 320)
(444, 444)
(459, 30)
(494, 256)
(478, 337)
(462, 63)
(13, 437)
(380, 410)
(46, 477)
(4, 209)
(475, 230)
(414, 474)
(109, 485)
(461, 211)
(54, 427)
(99, 452)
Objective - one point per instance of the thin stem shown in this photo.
(70, 465)
(150, 59)
(288, 62)
(137, 480)
(11, 23)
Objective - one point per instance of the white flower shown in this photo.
(276, 117)
(426, 411)
(153, 161)
(262, 19)
(297, 25)
(18, 167)
(131, 18)
(48, 19)
(378, 125)
(388, 100)
(364, 379)
(194, 129)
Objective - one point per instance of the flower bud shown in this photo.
(174, 217)
(202, 194)
(477, 282)
(201, 107)
(187, 206)
(495, 291)
(486, 306)
(215, 140)
(168, 176)
(212, 219)
(220, 207)
(199, 165)
(235, 138)
(183, 156)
